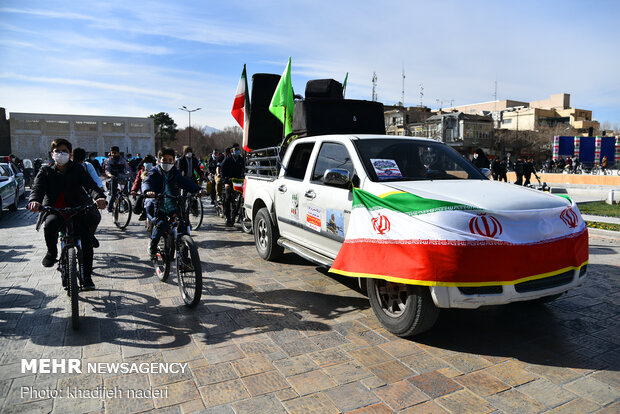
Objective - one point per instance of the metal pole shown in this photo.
(189, 112)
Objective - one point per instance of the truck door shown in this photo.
(288, 192)
(326, 208)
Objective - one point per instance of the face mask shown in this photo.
(117, 157)
(166, 167)
(237, 152)
(188, 155)
(148, 165)
(475, 155)
(61, 158)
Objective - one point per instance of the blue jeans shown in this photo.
(160, 221)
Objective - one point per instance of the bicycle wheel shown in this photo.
(195, 212)
(72, 267)
(189, 271)
(122, 211)
(162, 261)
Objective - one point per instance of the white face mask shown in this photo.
(148, 165)
(60, 158)
(166, 167)
(188, 155)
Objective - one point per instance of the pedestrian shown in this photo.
(496, 168)
(528, 169)
(604, 163)
(503, 169)
(189, 166)
(480, 160)
(519, 171)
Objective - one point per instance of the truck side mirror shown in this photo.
(336, 177)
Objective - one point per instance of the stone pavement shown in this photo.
(288, 337)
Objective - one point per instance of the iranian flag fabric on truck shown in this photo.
(401, 237)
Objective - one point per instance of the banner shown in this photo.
(404, 238)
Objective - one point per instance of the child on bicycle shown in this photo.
(164, 179)
(62, 185)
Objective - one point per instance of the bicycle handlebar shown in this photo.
(67, 210)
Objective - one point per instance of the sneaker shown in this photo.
(49, 259)
(88, 284)
(152, 250)
(94, 242)
(142, 216)
(229, 223)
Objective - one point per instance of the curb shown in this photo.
(606, 233)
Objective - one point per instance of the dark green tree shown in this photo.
(165, 129)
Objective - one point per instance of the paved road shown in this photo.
(287, 337)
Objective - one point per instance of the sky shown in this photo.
(136, 58)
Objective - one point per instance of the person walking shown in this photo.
(519, 168)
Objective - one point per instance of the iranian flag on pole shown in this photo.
(401, 237)
(241, 105)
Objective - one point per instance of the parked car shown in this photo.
(9, 192)
(18, 176)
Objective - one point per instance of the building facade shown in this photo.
(529, 116)
(464, 132)
(31, 134)
(398, 118)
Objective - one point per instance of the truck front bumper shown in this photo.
(475, 297)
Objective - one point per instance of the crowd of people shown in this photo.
(71, 179)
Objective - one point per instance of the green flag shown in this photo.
(282, 104)
(344, 85)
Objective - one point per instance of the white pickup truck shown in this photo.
(306, 207)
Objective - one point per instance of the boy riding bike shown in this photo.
(164, 179)
(61, 185)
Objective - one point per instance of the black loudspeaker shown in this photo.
(324, 88)
(264, 129)
(315, 116)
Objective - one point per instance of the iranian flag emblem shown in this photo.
(401, 237)
(241, 105)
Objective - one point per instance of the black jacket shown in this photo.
(232, 168)
(182, 167)
(76, 183)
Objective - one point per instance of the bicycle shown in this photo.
(121, 204)
(70, 263)
(194, 211)
(179, 241)
(239, 215)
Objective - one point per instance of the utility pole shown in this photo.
(402, 99)
(374, 86)
(421, 95)
(189, 112)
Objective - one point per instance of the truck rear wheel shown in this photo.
(266, 236)
(404, 310)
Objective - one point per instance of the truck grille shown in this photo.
(481, 290)
(545, 283)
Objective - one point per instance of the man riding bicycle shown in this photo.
(116, 169)
(232, 167)
(164, 179)
(62, 185)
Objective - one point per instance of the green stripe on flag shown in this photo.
(405, 203)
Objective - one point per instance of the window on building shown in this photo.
(507, 121)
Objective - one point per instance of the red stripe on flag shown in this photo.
(238, 109)
(454, 264)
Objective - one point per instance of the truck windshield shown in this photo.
(409, 159)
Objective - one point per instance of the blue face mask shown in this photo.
(148, 165)
(237, 152)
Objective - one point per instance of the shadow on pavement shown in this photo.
(578, 330)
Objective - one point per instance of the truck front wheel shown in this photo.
(266, 236)
(404, 310)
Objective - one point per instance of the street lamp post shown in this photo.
(189, 112)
